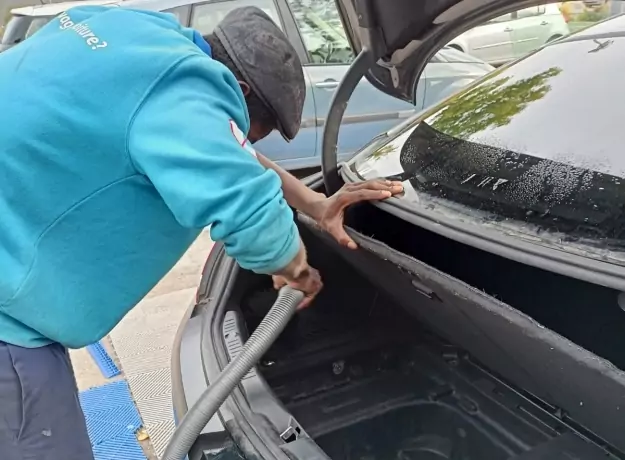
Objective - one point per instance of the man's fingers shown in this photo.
(357, 196)
(394, 187)
(340, 235)
(305, 303)
(375, 184)
(278, 282)
(310, 285)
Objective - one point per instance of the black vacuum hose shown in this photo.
(213, 397)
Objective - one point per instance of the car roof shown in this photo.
(53, 9)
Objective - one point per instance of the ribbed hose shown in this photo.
(213, 397)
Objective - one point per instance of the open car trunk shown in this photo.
(412, 353)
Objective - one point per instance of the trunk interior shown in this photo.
(380, 367)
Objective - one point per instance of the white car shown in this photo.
(513, 35)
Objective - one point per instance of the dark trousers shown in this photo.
(40, 414)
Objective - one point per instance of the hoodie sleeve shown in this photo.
(187, 138)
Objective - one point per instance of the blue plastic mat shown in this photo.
(103, 360)
(112, 420)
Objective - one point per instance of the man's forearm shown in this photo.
(297, 194)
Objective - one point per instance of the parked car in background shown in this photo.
(513, 35)
(6, 6)
(25, 21)
(482, 317)
(317, 34)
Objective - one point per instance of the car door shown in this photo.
(301, 151)
(491, 42)
(529, 30)
(329, 55)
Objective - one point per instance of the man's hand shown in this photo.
(301, 276)
(329, 213)
(309, 282)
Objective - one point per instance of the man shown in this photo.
(124, 134)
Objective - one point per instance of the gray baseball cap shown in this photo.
(268, 63)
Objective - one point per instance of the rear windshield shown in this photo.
(536, 149)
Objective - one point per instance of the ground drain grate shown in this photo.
(112, 420)
(103, 360)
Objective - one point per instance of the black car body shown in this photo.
(482, 316)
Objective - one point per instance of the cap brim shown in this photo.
(284, 136)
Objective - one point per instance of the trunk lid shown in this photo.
(404, 34)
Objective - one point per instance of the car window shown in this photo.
(206, 16)
(504, 18)
(448, 54)
(36, 24)
(531, 150)
(16, 29)
(181, 13)
(531, 12)
(322, 32)
(4, 27)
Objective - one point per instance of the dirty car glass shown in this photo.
(535, 150)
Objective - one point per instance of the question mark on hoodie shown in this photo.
(95, 43)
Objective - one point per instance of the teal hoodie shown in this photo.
(120, 139)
